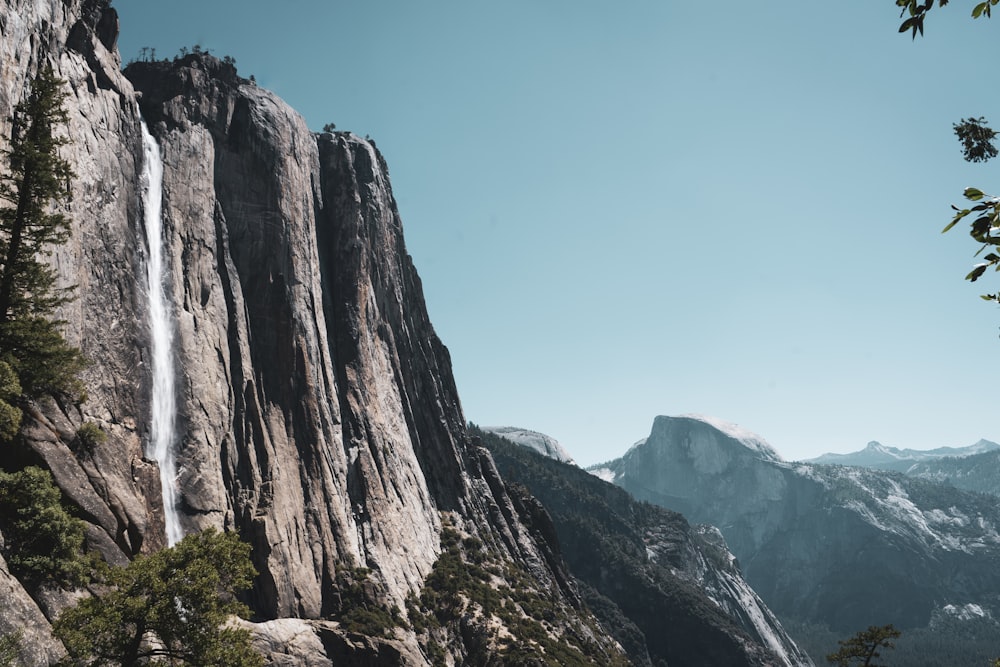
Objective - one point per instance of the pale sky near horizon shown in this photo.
(620, 210)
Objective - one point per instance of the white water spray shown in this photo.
(164, 409)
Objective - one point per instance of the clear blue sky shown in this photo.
(621, 210)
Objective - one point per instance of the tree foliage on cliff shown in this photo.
(43, 543)
(9, 646)
(863, 648)
(34, 186)
(172, 606)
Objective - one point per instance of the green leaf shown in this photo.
(973, 194)
(958, 216)
(978, 10)
(981, 227)
(976, 272)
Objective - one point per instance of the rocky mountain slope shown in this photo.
(670, 592)
(972, 468)
(829, 545)
(881, 457)
(318, 415)
(977, 472)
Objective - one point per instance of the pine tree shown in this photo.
(43, 542)
(36, 183)
(863, 648)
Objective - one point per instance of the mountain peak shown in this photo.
(876, 447)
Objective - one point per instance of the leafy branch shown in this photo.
(985, 229)
(916, 11)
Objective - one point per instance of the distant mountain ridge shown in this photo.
(831, 545)
(976, 472)
(883, 457)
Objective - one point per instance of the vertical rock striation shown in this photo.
(317, 414)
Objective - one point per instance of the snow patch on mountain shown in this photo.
(605, 473)
(966, 612)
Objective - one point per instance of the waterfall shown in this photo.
(164, 408)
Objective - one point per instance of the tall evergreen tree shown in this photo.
(35, 185)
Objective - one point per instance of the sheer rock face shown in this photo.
(300, 326)
(320, 417)
(318, 414)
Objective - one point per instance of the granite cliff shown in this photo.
(317, 413)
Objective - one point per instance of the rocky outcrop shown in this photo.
(294, 642)
(21, 618)
(318, 415)
(539, 442)
(828, 545)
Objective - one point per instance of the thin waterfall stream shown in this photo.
(163, 417)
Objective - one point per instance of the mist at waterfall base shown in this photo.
(163, 407)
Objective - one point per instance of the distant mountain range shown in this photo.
(882, 457)
(978, 472)
(829, 545)
(972, 468)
